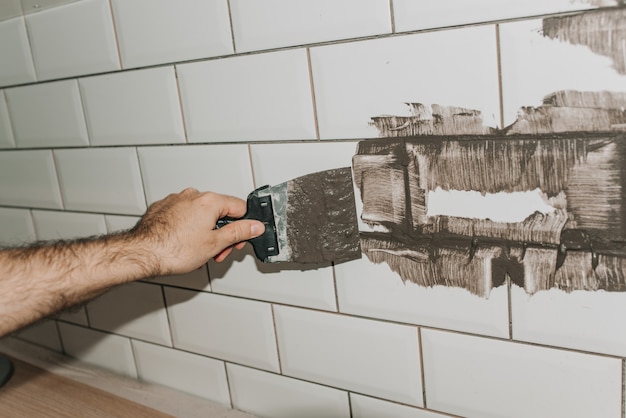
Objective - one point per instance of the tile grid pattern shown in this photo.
(153, 331)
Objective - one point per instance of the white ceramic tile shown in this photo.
(28, 178)
(73, 39)
(52, 225)
(370, 357)
(248, 98)
(16, 226)
(366, 407)
(152, 32)
(108, 351)
(534, 65)
(134, 107)
(278, 23)
(196, 280)
(218, 168)
(368, 289)
(6, 131)
(101, 180)
(17, 63)
(276, 163)
(47, 115)
(223, 327)
(473, 376)
(43, 333)
(135, 310)
(270, 395)
(187, 372)
(117, 223)
(580, 320)
(10, 9)
(241, 274)
(359, 80)
(423, 14)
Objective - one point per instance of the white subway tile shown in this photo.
(47, 115)
(224, 327)
(43, 333)
(187, 372)
(534, 66)
(368, 289)
(34, 6)
(423, 14)
(370, 357)
(583, 320)
(197, 280)
(6, 131)
(134, 107)
(51, 225)
(152, 32)
(248, 98)
(360, 80)
(270, 395)
(73, 39)
(366, 407)
(17, 63)
(108, 351)
(241, 274)
(28, 178)
(10, 9)
(278, 23)
(473, 376)
(17, 226)
(276, 163)
(218, 168)
(101, 180)
(117, 223)
(135, 310)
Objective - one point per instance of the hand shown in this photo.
(180, 229)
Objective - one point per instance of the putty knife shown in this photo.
(309, 219)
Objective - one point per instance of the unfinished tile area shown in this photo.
(486, 147)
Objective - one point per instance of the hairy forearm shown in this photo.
(44, 278)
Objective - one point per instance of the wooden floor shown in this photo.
(33, 392)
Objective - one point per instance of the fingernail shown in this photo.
(257, 229)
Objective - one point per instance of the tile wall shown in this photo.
(109, 105)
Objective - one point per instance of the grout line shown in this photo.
(392, 16)
(280, 366)
(351, 414)
(230, 390)
(180, 104)
(117, 40)
(3, 97)
(509, 289)
(143, 187)
(134, 356)
(421, 355)
(313, 100)
(335, 287)
(499, 70)
(58, 179)
(83, 109)
(56, 325)
(252, 167)
(30, 49)
(167, 315)
(232, 29)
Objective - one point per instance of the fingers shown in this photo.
(226, 205)
(237, 232)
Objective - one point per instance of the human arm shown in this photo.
(176, 235)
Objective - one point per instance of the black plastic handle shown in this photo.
(261, 209)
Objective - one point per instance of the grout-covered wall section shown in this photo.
(108, 106)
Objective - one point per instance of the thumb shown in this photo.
(238, 231)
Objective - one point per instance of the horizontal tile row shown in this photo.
(271, 96)
(324, 355)
(82, 37)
